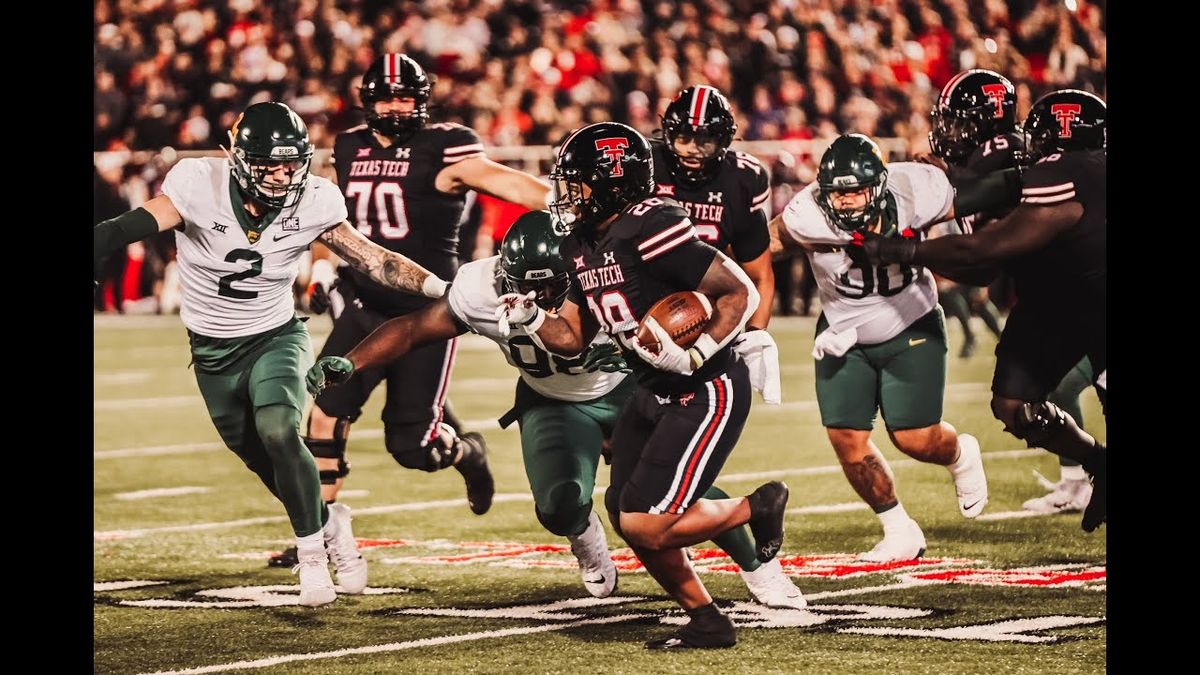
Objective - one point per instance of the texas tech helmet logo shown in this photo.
(996, 92)
(614, 149)
(1065, 113)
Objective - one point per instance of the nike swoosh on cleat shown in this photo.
(597, 580)
(969, 507)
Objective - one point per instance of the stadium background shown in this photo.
(171, 77)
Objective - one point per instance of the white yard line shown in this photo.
(162, 492)
(398, 646)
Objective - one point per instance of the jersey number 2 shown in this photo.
(388, 200)
(225, 285)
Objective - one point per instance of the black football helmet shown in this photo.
(1064, 120)
(700, 114)
(852, 162)
(396, 76)
(613, 160)
(266, 136)
(974, 107)
(530, 261)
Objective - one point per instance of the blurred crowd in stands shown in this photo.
(176, 73)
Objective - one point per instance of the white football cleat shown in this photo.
(907, 543)
(970, 483)
(351, 567)
(316, 586)
(595, 564)
(1066, 496)
(769, 586)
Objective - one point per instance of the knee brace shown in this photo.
(564, 515)
(437, 454)
(332, 448)
(1045, 425)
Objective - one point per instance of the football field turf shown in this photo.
(183, 532)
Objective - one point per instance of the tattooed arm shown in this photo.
(386, 267)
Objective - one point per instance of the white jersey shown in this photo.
(879, 302)
(232, 288)
(473, 300)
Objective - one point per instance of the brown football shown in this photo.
(684, 315)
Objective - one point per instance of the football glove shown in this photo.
(328, 370)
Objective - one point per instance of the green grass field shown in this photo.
(188, 529)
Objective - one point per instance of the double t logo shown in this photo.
(614, 149)
(1065, 113)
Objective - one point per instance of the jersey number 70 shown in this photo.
(388, 200)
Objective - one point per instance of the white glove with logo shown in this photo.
(834, 344)
(758, 349)
(518, 309)
(670, 357)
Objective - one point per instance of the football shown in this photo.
(684, 315)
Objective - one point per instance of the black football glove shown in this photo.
(606, 357)
(881, 250)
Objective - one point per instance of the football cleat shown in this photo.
(351, 567)
(769, 586)
(1065, 496)
(907, 543)
(316, 586)
(970, 483)
(595, 564)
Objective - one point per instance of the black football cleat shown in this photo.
(285, 558)
(767, 504)
(714, 633)
(1096, 511)
(473, 466)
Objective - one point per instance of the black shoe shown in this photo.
(968, 350)
(1096, 511)
(287, 558)
(767, 504)
(474, 469)
(714, 634)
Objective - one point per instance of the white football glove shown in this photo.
(670, 357)
(518, 309)
(834, 344)
(758, 349)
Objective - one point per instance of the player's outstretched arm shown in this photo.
(383, 266)
(484, 175)
(565, 332)
(399, 336)
(156, 215)
(762, 275)
(782, 242)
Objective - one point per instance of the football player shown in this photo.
(975, 131)
(626, 250)
(1053, 245)
(566, 406)
(881, 337)
(405, 181)
(727, 194)
(241, 225)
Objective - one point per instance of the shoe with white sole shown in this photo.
(1065, 496)
(906, 543)
(343, 552)
(970, 482)
(596, 567)
(316, 586)
(771, 587)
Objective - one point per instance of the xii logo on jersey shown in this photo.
(1065, 113)
(362, 152)
(219, 227)
(666, 190)
(614, 149)
(579, 263)
(996, 92)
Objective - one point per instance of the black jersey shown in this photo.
(650, 251)
(731, 210)
(392, 199)
(1071, 271)
(999, 153)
